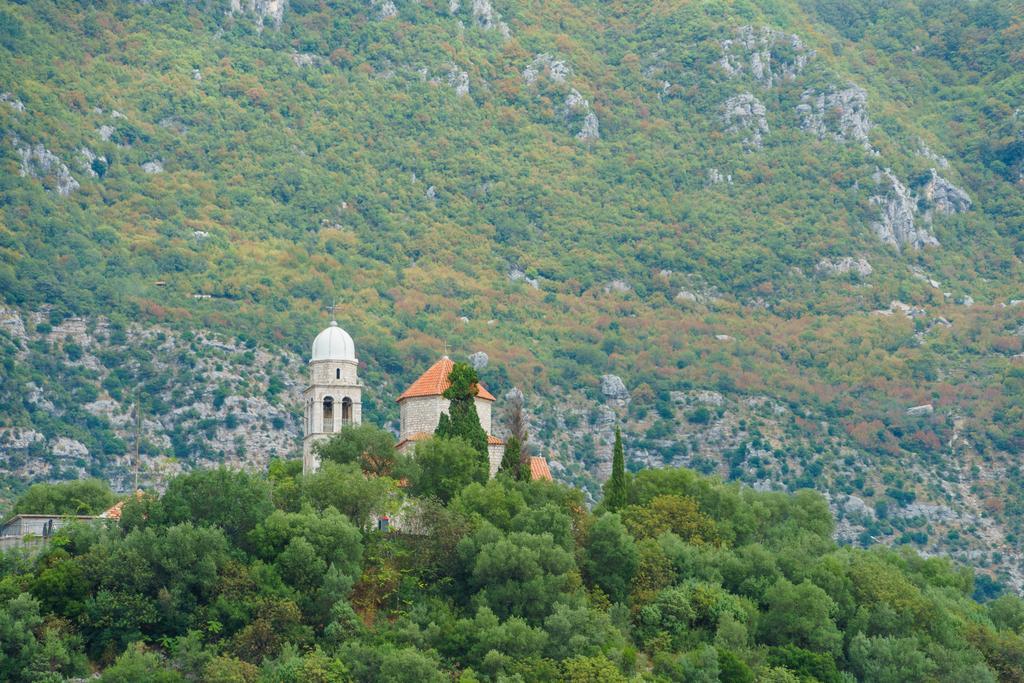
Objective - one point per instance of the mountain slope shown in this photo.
(690, 196)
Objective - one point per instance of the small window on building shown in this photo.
(346, 410)
(337, 373)
(383, 523)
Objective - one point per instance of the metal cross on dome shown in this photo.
(332, 308)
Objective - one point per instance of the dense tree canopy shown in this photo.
(695, 580)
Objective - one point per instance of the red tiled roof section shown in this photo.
(494, 441)
(114, 513)
(415, 436)
(539, 469)
(434, 382)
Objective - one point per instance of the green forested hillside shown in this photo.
(236, 577)
(721, 197)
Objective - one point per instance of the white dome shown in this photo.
(333, 343)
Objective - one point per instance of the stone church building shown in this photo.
(423, 402)
(333, 400)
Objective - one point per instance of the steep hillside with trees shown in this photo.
(777, 240)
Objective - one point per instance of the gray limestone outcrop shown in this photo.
(386, 9)
(745, 114)
(921, 411)
(945, 196)
(544, 64)
(764, 53)
(478, 360)
(517, 274)
(897, 206)
(843, 266)
(487, 18)
(458, 80)
(12, 101)
(43, 165)
(153, 166)
(837, 114)
(576, 110)
(264, 11)
(613, 387)
(300, 59)
(92, 164)
(620, 286)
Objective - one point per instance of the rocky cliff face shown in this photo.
(945, 196)
(545, 71)
(897, 208)
(264, 12)
(764, 53)
(745, 114)
(42, 164)
(838, 114)
(209, 400)
(844, 266)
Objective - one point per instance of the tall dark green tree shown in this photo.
(615, 487)
(511, 461)
(462, 419)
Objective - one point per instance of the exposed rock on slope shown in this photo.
(895, 224)
(385, 9)
(576, 110)
(484, 16)
(745, 113)
(613, 387)
(264, 11)
(458, 80)
(765, 53)
(92, 163)
(546, 65)
(487, 18)
(945, 196)
(240, 422)
(844, 265)
(838, 114)
(42, 164)
(12, 101)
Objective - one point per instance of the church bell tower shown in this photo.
(333, 398)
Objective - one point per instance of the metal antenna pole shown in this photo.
(138, 437)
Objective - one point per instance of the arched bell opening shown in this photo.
(328, 414)
(346, 411)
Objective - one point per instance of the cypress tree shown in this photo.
(615, 488)
(462, 419)
(510, 463)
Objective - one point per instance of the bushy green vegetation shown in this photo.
(230, 576)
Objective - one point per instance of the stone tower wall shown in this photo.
(324, 382)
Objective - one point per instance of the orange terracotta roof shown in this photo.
(114, 512)
(416, 436)
(539, 469)
(494, 441)
(434, 382)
